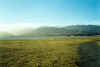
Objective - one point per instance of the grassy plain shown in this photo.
(56, 52)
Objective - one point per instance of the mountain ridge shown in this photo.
(71, 30)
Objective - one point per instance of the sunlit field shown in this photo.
(56, 52)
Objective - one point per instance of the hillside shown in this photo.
(6, 35)
(73, 30)
(70, 30)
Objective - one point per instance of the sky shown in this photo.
(35, 13)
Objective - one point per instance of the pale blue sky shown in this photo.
(49, 12)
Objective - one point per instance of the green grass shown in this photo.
(61, 52)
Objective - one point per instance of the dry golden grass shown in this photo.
(57, 52)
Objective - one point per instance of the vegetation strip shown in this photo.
(59, 52)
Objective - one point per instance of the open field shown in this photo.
(57, 52)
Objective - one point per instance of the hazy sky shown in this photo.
(49, 12)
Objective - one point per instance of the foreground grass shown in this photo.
(63, 52)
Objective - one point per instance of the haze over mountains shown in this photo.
(72, 30)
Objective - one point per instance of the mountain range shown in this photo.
(72, 30)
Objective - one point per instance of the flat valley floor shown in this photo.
(53, 52)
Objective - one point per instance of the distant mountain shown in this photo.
(76, 30)
(82, 30)
(6, 35)
(48, 30)
(23, 32)
(70, 30)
